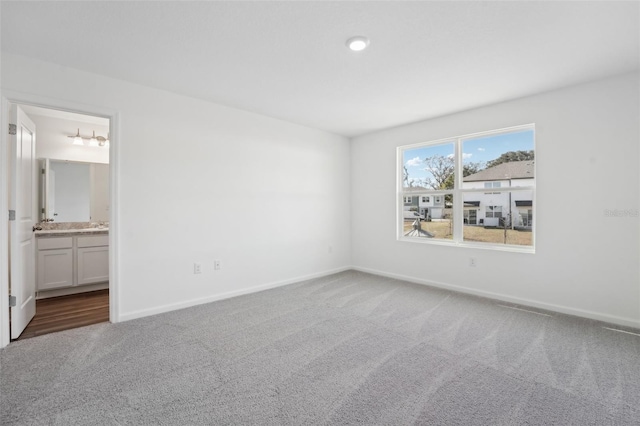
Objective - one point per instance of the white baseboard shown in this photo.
(612, 319)
(200, 301)
(627, 322)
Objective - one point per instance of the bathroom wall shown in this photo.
(52, 139)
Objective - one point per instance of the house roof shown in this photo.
(414, 189)
(511, 170)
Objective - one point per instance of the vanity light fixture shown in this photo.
(93, 141)
(358, 43)
(77, 139)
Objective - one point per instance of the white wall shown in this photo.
(586, 261)
(52, 141)
(183, 167)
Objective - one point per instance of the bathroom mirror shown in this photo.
(73, 191)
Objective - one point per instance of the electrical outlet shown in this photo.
(197, 268)
(217, 265)
(472, 262)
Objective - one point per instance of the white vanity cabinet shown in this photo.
(74, 260)
(55, 262)
(93, 259)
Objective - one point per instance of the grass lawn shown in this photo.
(442, 230)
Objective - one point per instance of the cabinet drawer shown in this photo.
(55, 243)
(93, 241)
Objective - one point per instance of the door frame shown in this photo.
(12, 97)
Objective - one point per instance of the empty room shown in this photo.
(310, 212)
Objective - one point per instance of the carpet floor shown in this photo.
(349, 348)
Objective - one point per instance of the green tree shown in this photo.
(468, 168)
(510, 156)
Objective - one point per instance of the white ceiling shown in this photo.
(288, 59)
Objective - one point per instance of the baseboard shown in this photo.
(200, 301)
(627, 322)
(612, 319)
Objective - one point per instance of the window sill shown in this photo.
(466, 244)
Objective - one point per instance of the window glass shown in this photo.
(453, 176)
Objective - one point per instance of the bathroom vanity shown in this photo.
(71, 261)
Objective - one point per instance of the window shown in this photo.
(470, 217)
(494, 211)
(492, 185)
(457, 172)
(407, 200)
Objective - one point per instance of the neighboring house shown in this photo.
(488, 208)
(428, 205)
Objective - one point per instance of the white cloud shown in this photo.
(414, 162)
(464, 155)
(480, 149)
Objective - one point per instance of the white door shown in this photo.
(22, 282)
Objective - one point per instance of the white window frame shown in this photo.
(490, 185)
(458, 194)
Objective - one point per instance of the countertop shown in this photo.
(70, 232)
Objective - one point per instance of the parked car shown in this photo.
(411, 215)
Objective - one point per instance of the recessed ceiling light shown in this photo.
(357, 43)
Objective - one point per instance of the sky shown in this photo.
(480, 149)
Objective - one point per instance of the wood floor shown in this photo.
(65, 312)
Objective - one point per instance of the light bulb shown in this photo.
(77, 140)
(357, 43)
(93, 141)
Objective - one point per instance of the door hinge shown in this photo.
(42, 210)
(12, 301)
(13, 129)
(42, 171)
(12, 215)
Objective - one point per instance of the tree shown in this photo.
(506, 223)
(510, 156)
(471, 167)
(407, 183)
(441, 169)
(468, 168)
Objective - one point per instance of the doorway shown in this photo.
(72, 257)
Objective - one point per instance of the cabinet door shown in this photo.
(55, 268)
(93, 265)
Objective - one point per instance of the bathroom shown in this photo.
(71, 250)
